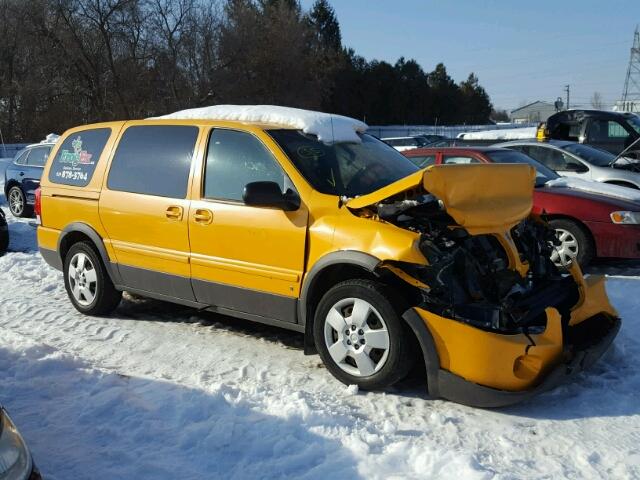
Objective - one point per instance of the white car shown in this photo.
(405, 143)
(571, 159)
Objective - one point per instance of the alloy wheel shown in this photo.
(568, 249)
(356, 337)
(82, 279)
(16, 202)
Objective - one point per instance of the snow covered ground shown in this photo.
(161, 391)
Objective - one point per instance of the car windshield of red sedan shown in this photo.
(344, 169)
(594, 156)
(543, 174)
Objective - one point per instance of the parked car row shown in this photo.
(416, 141)
(587, 223)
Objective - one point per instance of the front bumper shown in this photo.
(486, 369)
(459, 390)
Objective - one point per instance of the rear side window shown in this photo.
(154, 160)
(234, 159)
(21, 159)
(77, 157)
(38, 156)
(459, 159)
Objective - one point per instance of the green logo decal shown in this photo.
(78, 156)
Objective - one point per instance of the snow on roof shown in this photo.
(51, 138)
(503, 134)
(616, 191)
(329, 128)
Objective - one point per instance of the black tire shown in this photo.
(400, 355)
(4, 234)
(19, 211)
(106, 298)
(586, 248)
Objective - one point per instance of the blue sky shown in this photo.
(521, 50)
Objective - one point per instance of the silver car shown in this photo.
(571, 159)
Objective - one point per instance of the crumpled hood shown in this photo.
(479, 197)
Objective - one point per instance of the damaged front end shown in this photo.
(500, 313)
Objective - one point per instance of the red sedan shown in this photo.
(588, 224)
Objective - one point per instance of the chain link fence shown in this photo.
(449, 131)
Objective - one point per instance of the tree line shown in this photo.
(70, 62)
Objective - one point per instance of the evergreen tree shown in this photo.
(323, 21)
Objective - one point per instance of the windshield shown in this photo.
(589, 154)
(344, 169)
(543, 174)
(634, 121)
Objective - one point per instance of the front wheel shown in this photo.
(87, 283)
(575, 243)
(360, 336)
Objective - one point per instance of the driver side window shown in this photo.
(554, 159)
(234, 159)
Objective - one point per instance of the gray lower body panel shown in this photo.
(157, 282)
(249, 302)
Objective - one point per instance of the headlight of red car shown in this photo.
(15, 459)
(627, 218)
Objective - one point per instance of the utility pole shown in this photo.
(632, 81)
(566, 89)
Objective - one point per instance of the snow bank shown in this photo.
(329, 128)
(504, 134)
(623, 193)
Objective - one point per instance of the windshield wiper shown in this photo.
(624, 151)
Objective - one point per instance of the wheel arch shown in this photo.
(343, 264)
(581, 224)
(10, 183)
(78, 232)
(622, 183)
(351, 264)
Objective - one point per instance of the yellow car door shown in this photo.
(244, 259)
(144, 207)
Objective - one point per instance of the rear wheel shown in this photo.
(18, 203)
(575, 243)
(360, 336)
(87, 283)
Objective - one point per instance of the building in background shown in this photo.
(537, 111)
(627, 106)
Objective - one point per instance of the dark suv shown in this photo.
(22, 177)
(611, 131)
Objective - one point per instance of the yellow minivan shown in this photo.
(305, 222)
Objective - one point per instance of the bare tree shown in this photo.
(596, 101)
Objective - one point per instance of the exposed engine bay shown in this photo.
(469, 277)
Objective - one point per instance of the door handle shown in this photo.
(21, 174)
(174, 212)
(203, 216)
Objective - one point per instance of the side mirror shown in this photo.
(575, 167)
(268, 194)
